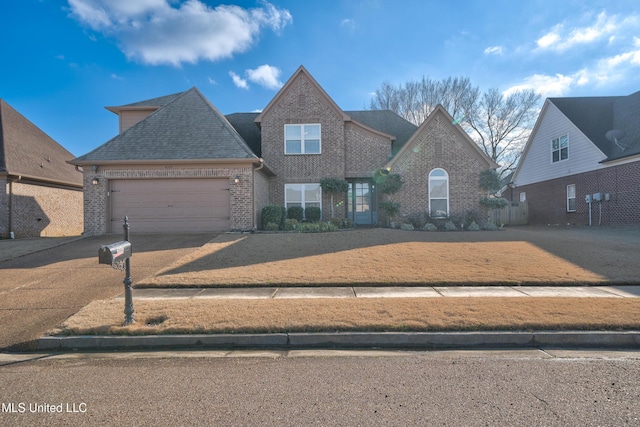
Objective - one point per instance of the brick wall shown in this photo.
(348, 150)
(42, 211)
(96, 203)
(439, 145)
(4, 208)
(261, 195)
(548, 200)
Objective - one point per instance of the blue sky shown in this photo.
(62, 62)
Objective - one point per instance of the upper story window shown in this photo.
(560, 148)
(302, 139)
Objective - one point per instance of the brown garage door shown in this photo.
(170, 205)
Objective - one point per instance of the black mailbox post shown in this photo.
(118, 255)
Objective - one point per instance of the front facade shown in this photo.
(581, 165)
(179, 165)
(40, 193)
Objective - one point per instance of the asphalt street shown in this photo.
(323, 388)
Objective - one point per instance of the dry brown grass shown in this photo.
(371, 257)
(391, 314)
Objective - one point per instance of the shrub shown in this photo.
(450, 226)
(494, 202)
(489, 226)
(313, 214)
(273, 214)
(473, 226)
(341, 222)
(272, 226)
(429, 227)
(473, 215)
(390, 208)
(418, 220)
(316, 227)
(295, 212)
(291, 224)
(407, 226)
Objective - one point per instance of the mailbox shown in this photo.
(115, 252)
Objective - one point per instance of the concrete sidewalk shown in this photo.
(623, 291)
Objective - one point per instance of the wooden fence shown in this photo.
(516, 213)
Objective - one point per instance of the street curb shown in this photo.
(399, 340)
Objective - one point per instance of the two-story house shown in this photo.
(180, 165)
(581, 164)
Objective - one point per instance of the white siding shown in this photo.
(536, 165)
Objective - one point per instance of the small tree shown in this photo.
(388, 184)
(491, 182)
(334, 186)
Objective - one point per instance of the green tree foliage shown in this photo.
(334, 186)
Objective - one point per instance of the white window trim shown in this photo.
(559, 150)
(303, 201)
(574, 197)
(523, 197)
(429, 188)
(302, 144)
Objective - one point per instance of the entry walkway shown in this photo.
(623, 291)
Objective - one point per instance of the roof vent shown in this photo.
(615, 135)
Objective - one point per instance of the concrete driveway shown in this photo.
(41, 289)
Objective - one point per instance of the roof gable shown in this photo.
(439, 110)
(187, 128)
(27, 151)
(301, 71)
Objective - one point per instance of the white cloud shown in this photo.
(348, 24)
(265, 75)
(177, 31)
(238, 81)
(493, 50)
(562, 37)
(212, 81)
(545, 85)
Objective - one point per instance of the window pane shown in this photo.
(556, 156)
(293, 193)
(438, 207)
(571, 191)
(571, 204)
(555, 144)
(438, 172)
(564, 153)
(438, 188)
(293, 147)
(292, 132)
(312, 193)
(312, 146)
(312, 205)
(563, 141)
(312, 132)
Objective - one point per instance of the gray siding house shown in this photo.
(581, 164)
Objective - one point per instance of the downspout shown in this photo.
(11, 233)
(253, 188)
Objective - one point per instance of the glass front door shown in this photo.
(362, 202)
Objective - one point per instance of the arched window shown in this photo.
(438, 193)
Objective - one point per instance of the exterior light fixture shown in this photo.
(236, 179)
(95, 181)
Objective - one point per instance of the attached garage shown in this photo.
(170, 205)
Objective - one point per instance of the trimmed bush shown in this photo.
(473, 226)
(273, 214)
(312, 214)
(316, 227)
(408, 227)
(450, 226)
(295, 212)
(290, 224)
(429, 227)
(272, 226)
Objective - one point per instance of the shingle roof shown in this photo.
(595, 116)
(248, 129)
(186, 128)
(388, 122)
(27, 151)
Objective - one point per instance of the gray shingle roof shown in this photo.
(248, 129)
(186, 128)
(388, 122)
(27, 151)
(595, 116)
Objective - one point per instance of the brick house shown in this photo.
(176, 149)
(582, 148)
(40, 193)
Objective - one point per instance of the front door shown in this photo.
(362, 202)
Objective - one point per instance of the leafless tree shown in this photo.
(499, 124)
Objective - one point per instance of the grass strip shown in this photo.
(371, 314)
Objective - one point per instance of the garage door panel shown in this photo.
(156, 205)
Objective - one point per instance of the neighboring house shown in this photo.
(40, 193)
(582, 148)
(180, 165)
